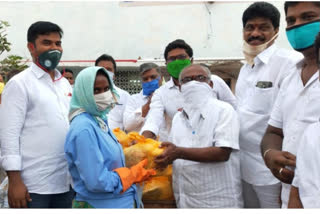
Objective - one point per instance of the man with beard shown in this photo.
(295, 107)
(34, 125)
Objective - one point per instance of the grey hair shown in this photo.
(204, 68)
(148, 66)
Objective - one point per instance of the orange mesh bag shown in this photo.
(158, 188)
(122, 137)
(144, 148)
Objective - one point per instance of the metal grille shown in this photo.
(128, 79)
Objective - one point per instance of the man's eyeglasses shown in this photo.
(199, 78)
(173, 58)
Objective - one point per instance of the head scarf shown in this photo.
(83, 97)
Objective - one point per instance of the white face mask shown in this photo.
(104, 100)
(111, 74)
(251, 51)
(195, 93)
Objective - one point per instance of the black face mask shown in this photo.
(50, 59)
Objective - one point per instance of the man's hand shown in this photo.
(277, 160)
(18, 195)
(146, 107)
(170, 154)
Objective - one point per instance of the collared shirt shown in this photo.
(33, 128)
(255, 105)
(92, 155)
(295, 108)
(132, 116)
(307, 173)
(214, 184)
(167, 101)
(115, 116)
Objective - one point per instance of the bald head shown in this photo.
(195, 72)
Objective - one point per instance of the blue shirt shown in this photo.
(92, 155)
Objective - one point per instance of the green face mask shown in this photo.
(175, 67)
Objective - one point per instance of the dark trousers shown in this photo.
(62, 200)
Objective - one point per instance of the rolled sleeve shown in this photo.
(13, 114)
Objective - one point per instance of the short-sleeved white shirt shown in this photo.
(214, 184)
(255, 105)
(307, 173)
(295, 108)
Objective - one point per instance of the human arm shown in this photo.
(208, 154)
(274, 158)
(13, 113)
(18, 194)
(294, 199)
(155, 116)
(84, 152)
(135, 113)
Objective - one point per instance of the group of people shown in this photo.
(256, 149)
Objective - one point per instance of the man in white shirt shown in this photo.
(115, 116)
(256, 89)
(295, 107)
(204, 149)
(138, 105)
(34, 124)
(305, 188)
(167, 100)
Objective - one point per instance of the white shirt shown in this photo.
(214, 184)
(115, 116)
(307, 173)
(255, 105)
(167, 100)
(33, 128)
(295, 108)
(132, 116)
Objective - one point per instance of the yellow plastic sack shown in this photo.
(122, 137)
(158, 188)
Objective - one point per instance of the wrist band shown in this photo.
(265, 153)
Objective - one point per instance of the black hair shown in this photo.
(264, 10)
(288, 4)
(106, 57)
(178, 43)
(12, 73)
(68, 70)
(42, 28)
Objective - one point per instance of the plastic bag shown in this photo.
(158, 188)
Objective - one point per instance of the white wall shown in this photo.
(93, 28)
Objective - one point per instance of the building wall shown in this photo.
(127, 31)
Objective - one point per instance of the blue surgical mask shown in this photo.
(149, 87)
(302, 36)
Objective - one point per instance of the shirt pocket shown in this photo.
(260, 101)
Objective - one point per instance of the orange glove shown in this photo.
(135, 174)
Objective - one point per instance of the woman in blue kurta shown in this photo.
(95, 157)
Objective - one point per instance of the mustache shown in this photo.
(259, 38)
